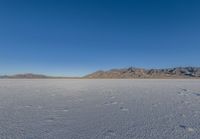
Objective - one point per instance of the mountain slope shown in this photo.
(179, 72)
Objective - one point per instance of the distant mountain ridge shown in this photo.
(34, 76)
(26, 75)
(125, 73)
(128, 73)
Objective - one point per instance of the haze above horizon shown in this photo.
(73, 38)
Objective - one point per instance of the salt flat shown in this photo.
(99, 109)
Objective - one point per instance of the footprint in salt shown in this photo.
(196, 113)
(189, 129)
(112, 97)
(183, 92)
(155, 104)
(28, 106)
(109, 134)
(183, 115)
(114, 103)
(180, 93)
(65, 109)
(106, 103)
(111, 103)
(184, 89)
(51, 119)
(185, 102)
(124, 109)
(197, 94)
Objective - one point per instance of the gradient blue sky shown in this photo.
(75, 37)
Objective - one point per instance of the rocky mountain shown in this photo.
(25, 76)
(126, 73)
(34, 76)
(179, 72)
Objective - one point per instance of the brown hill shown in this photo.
(179, 72)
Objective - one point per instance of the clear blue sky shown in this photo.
(75, 37)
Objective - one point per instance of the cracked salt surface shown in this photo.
(99, 109)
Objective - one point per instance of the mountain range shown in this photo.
(27, 75)
(125, 73)
(131, 72)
